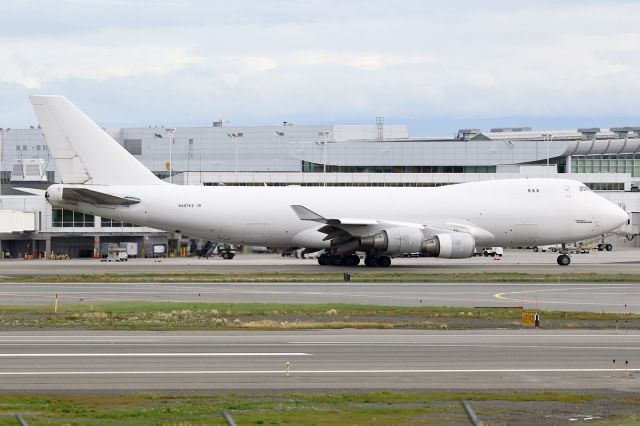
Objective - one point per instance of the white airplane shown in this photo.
(101, 178)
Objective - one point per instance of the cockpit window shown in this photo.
(584, 188)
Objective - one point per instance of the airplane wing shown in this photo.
(342, 229)
(306, 214)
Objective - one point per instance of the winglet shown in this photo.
(306, 214)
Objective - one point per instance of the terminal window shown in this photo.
(61, 218)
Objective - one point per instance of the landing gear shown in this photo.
(382, 261)
(324, 259)
(605, 246)
(371, 261)
(351, 260)
(327, 259)
(564, 259)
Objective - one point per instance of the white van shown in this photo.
(493, 251)
(117, 255)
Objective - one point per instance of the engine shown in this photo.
(400, 240)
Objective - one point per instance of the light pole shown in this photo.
(548, 137)
(1, 152)
(170, 131)
(233, 137)
(325, 139)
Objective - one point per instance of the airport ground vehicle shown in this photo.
(225, 251)
(210, 248)
(493, 251)
(117, 255)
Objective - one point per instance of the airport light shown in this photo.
(170, 131)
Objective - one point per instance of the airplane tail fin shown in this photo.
(84, 153)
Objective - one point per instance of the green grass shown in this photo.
(266, 316)
(356, 277)
(340, 408)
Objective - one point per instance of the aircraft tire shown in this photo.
(601, 247)
(608, 247)
(335, 260)
(564, 260)
(323, 259)
(384, 261)
(371, 261)
(356, 259)
(348, 260)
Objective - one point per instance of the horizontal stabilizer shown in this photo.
(85, 195)
(33, 191)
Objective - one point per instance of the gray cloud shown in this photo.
(185, 62)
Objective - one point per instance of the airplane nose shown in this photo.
(622, 217)
(614, 217)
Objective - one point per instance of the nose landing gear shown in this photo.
(564, 259)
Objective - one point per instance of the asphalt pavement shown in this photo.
(524, 261)
(348, 359)
(594, 297)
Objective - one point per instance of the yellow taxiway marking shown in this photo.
(503, 296)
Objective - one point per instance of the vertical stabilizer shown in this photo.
(83, 152)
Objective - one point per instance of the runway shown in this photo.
(373, 359)
(625, 261)
(596, 297)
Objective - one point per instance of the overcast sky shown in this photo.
(432, 64)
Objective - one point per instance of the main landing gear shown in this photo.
(327, 259)
(564, 259)
(381, 261)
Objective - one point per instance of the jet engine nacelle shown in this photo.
(400, 240)
(456, 245)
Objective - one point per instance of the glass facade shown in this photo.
(69, 219)
(619, 163)
(383, 184)
(308, 167)
(105, 222)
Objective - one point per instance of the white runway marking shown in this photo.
(154, 354)
(230, 372)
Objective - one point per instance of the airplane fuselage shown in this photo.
(516, 212)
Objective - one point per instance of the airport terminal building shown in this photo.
(606, 160)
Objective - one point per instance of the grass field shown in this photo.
(481, 277)
(269, 316)
(341, 408)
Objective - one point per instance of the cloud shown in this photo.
(324, 61)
